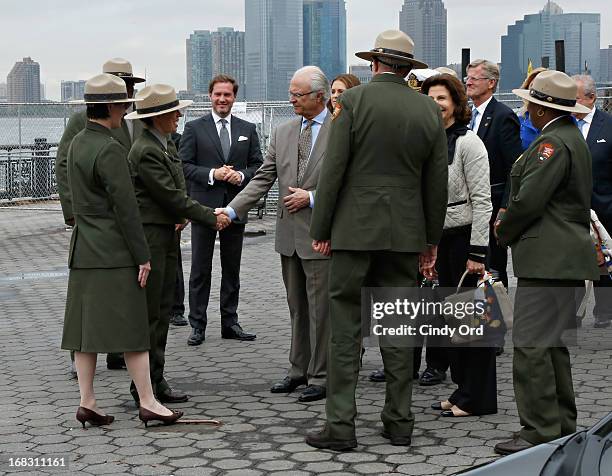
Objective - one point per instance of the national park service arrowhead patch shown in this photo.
(545, 151)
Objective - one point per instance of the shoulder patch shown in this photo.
(337, 110)
(545, 151)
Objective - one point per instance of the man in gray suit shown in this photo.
(294, 156)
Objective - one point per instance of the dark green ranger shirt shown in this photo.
(160, 185)
(76, 124)
(383, 184)
(108, 231)
(548, 215)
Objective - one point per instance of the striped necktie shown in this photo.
(474, 116)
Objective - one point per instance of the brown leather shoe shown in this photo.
(396, 440)
(514, 445)
(172, 396)
(323, 440)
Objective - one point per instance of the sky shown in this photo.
(71, 39)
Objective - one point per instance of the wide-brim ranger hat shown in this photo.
(155, 100)
(395, 47)
(553, 89)
(122, 68)
(105, 89)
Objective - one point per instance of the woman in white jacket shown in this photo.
(464, 243)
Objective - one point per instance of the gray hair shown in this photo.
(490, 69)
(588, 84)
(318, 80)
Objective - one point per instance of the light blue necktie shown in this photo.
(581, 123)
(474, 116)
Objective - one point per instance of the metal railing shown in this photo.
(30, 133)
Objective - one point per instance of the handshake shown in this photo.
(228, 174)
(223, 219)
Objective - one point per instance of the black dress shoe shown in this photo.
(312, 394)
(178, 320)
(288, 385)
(436, 406)
(236, 332)
(432, 376)
(514, 445)
(378, 376)
(172, 396)
(396, 440)
(196, 337)
(115, 362)
(499, 351)
(324, 441)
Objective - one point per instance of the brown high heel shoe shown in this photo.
(85, 415)
(147, 415)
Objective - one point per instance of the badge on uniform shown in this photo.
(337, 110)
(545, 151)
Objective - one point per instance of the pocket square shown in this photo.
(600, 141)
(241, 138)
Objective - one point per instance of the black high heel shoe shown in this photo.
(147, 415)
(85, 415)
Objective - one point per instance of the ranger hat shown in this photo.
(105, 89)
(553, 89)
(122, 68)
(393, 47)
(156, 100)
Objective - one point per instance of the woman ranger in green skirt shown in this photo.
(109, 261)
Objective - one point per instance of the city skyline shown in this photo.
(155, 42)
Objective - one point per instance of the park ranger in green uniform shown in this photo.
(125, 135)
(547, 226)
(164, 205)
(381, 200)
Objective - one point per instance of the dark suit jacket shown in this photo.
(599, 141)
(500, 130)
(201, 151)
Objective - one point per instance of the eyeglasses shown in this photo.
(473, 78)
(300, 95)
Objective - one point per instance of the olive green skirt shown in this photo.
(106, 311)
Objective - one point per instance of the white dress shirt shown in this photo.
(587, 123)
(228, 126)
(481, 111)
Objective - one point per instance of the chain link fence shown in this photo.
(30, 133)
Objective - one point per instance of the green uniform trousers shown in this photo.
(163, 242)
(543, 387)
(349, 272)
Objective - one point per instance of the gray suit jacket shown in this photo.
(292, 229)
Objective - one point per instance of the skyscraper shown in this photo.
(228, 56)
(213, 53)
(605, 65)
(534, 37)
(72, 90)
(425, 22)
(362, 71)
(199, 61)
(273, 47)
(325, 35)
(23, 82)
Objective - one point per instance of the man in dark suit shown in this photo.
(499, 129)
(596, 128)
(220, 154)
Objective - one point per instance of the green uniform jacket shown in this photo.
(108, 231)
(76, 124)
(548, 216)
(160, 185)
(383, 184)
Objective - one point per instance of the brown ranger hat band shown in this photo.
(105, 97)
(162, 107)
(392, 52)
(551, 99)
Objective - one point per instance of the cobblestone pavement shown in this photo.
(262, 433)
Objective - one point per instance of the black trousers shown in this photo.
(472, 368)
(178, 307)
(497, 256)
(203, 247)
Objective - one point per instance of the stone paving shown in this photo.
(262, 433)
